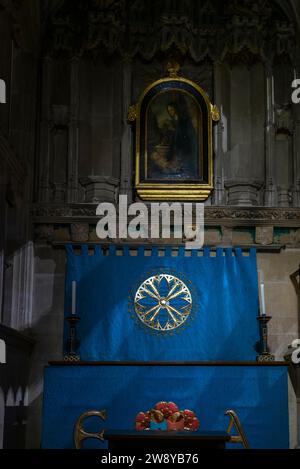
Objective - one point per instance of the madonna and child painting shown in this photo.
(173, 141)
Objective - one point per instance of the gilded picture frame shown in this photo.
(173, 140)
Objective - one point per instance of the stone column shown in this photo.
(219, 195)
(127, 157)
(44, 192)
(296, 164)
(296, 152)
(22, 287)
(3, 171)
(270, 194)
(73, 131)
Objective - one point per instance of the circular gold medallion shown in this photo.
(163, 302)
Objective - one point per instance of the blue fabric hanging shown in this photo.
(259, 395)
(221, 324)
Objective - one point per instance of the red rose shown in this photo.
(163, 407)
(140, 426)
(172, 407)
(194, 424)
(160, 405)
(189, 413)
(140, 417)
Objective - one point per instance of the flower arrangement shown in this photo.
(167, 416)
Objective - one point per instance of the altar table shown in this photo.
(258, 392)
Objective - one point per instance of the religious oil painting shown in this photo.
(173, 145)
(173, 140)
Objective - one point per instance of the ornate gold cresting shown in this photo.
(173, 68)
(80, 434)
(235, 422)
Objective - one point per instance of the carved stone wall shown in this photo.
(19, 59)
(65, 143)
(99, 56)
(147, 27)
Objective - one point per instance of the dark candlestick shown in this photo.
(264, 355)
(72, 342)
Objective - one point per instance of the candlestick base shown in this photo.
(265, 357)
(71, 358)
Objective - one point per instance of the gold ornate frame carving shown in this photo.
(196, 187)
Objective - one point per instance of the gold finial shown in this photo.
(173, 68)
(132, 113)
(215, 113)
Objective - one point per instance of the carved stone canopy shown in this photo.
(213, 28)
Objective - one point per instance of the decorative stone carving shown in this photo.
(80, 232)
(220, 233)
(243, 193)
(198, 29)
(213, 215)
(100, 188)
(243, 57)
(264, 235)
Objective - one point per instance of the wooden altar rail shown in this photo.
(175, 363)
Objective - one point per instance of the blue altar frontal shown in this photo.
(140, 313)
(258, 393)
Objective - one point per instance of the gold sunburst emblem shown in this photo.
(163, 302)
